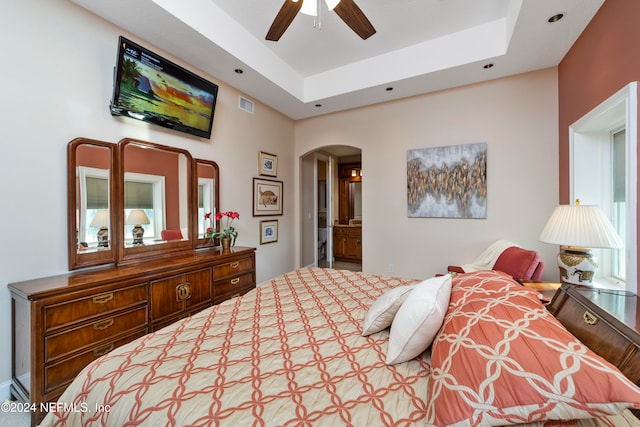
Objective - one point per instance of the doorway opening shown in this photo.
(331, 238)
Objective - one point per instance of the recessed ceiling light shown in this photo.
(487, 66)
(318, 105)
(389, 89)
(239, 70)
(555, 18)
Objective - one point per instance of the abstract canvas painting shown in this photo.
(447, 182)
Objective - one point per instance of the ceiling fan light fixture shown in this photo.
(310, 7)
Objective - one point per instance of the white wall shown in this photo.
(56, 76)
(517, 117)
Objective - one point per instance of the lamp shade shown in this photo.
(136, 217)
(583, 226)
(101, 219)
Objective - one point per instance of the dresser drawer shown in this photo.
(340, 231)
(232, 268)
(89, 334)
(233, 287)
(59, 375)
(595, 331)
(85, 308)
(181, 292)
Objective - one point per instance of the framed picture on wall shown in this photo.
(267, 164)
(267, 197)
(447, 182)
(268, 231)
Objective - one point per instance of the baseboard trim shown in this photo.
(5, 390)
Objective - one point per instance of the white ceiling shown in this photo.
(420, 45)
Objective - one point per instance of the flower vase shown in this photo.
(226, 244)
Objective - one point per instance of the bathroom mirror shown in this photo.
(155, 199)
(207, 187)
(350, 193)
(90, 203)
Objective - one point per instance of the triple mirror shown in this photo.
(135, 200)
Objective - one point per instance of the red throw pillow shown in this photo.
(517, 262)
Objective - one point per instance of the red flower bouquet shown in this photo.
(228, 231)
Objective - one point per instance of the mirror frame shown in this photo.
(201, 242)
(169, 248)
(90, 259)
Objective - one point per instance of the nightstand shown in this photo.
(547, 289)
(606, 321)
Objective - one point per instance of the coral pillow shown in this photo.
(501, 358)
(418, 320)
(381, 313)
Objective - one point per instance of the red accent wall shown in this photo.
(604, 59)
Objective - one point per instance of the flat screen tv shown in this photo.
(151, 88)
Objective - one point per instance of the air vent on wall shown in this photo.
(245, 104)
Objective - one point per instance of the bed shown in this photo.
(292, 353)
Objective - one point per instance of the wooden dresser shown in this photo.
(606, 321)
(62, 323)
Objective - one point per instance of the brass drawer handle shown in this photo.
(103, 298)
(103, 350)
(589, 318)
(235, 281)
(234, 264)
(183, 292)
(103, 324)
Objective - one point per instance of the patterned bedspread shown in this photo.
(289, 353)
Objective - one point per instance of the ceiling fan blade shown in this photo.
(283, 19)
(355, 18)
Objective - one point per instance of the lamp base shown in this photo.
(103, 237)
(577, 266)
(138, 233)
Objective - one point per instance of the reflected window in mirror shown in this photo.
(156, 181)
(93, 203)
(207, 198)
(91, 198)
(144, 193)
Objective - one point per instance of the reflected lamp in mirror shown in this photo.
(577, 229)
(137, 217)
(101, 220)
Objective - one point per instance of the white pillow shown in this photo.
(418, 320)
(381, 313)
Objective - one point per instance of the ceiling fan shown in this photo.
(347, 10)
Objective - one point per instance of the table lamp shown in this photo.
(101, 219)
(137, 217)
(578, 228)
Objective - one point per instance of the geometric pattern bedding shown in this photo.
(502, 358)
(289, 353)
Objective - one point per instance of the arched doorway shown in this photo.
(320, 199)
